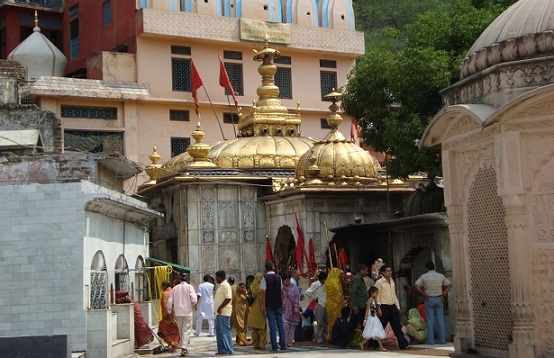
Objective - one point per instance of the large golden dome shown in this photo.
(336, 160)
(269, 136)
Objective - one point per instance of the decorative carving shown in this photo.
(247, 194)
(227, 215)
(248, 208)
(543, 274)
(209, 258)
(248, 236)
(208, 237)
(542, 200)
(208, 220)
(250, 258)
(461, 126)
(502, 77)
(229, 258)
(540, 149)
(207, 194)
(228, 237)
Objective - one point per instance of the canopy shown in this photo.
(175, 266)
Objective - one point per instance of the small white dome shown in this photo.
(40, 56)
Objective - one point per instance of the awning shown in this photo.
(175, 266)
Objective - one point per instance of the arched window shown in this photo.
(98, 282)
(121, 274)
(140, 291)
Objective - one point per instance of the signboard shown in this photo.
(256, 30)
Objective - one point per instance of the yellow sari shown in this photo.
(240, 314)
(256, 320)
(335, 299)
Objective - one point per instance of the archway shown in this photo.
(98, 282)
(121, 274)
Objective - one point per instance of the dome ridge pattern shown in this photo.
(523, 31)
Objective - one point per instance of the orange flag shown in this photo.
(225, 82)
(196, 83)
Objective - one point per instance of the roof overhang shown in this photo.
(141, 216)
(395, 225)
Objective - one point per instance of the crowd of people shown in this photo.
(269, 306)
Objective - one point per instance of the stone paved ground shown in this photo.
(204, 346)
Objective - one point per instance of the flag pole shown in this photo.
(215, 114)
(229, 104)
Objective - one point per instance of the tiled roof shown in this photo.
(76, 87)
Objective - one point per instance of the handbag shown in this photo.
(249, 299)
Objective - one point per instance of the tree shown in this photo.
(393, 90)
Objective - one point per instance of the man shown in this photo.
(430, 285)
(388, 307)
(294, 278)
(205, 306)
(224, 309)
(317, 291)
(181, 301)
(272, 306)
(358, 296)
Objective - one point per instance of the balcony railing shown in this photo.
(44, 3)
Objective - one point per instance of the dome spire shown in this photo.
(199, 151)
(268, 116)
(36, 28)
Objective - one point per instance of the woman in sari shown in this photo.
(416, 327)
(143, 333)
(334, 301)
(240, 314)
(256, 320)
(291, 312)
(168, 329)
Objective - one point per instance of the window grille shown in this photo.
(180, 50)
(230, 118)
(232, 55)
(107, 12)
(328, 82)
(179, 145)
(181, 74)
(328, 63)
(179, 115)
(234, 71)
(283, 80)
(324, 124)
(283, 60)
(88, 112)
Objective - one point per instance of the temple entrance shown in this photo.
(284, 248)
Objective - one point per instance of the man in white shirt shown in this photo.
(205, 306)
(317, 291)
(388, 307)
(434, 287)
(181, 301)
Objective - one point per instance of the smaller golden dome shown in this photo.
(336, 160)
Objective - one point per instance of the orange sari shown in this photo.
(168, 329)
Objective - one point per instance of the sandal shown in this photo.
(184, 352)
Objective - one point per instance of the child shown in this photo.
(307, 324)
(373, 329)
(342, 329)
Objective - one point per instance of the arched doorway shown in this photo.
(121, 274)
(284, 248)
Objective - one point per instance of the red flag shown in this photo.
(343, 259)
(355, 131)
(312, 264)
(300, 249)
(196, 83)
(225, 82)
(268, 253)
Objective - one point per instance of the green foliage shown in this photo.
(394, 88)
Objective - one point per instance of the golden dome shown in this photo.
(278, 152)
(336, 160)
(269, 136)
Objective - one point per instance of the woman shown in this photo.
(240, 314)
(168, 329)
(415, 326)
(291, 312)
(143, 333)
(256, 320)
(334, 301)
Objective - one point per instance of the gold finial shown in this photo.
(199, 151)
(153, 170)
(334, 119)
(36, 20)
